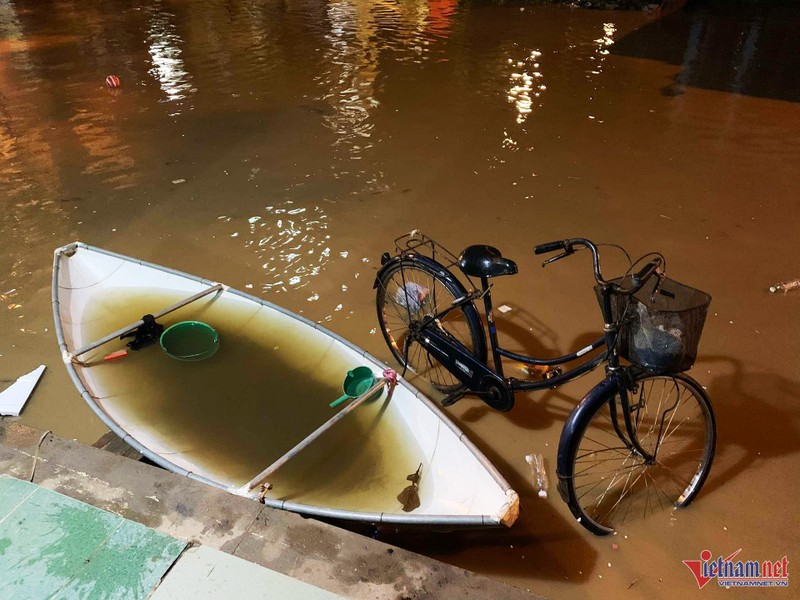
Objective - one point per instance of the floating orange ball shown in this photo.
(112, 81)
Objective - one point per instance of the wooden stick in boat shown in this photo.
(112, 336)
(261, 477)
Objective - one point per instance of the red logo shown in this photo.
(738, 573)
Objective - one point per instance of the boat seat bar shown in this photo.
(112, 336)
(261, 477)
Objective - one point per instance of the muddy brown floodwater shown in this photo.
(280, 147)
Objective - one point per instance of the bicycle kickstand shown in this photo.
(453, 398)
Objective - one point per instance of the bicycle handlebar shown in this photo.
(550, 247)
(638, 279)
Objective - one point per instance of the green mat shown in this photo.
(54, 546)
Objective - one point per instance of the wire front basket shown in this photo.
(660, 331)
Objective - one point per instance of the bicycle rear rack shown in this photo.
(416, 242)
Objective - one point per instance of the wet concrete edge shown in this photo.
(336, 560)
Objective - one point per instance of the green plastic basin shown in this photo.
(190, 341)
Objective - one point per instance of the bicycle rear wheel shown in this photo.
(409, 291)
(609, 482)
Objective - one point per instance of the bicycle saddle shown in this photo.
(485, 261)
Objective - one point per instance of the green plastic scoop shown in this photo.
(358, 381)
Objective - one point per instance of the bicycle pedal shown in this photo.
(452, 399)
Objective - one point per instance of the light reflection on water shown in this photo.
(348, 84)
(290, 242)
(108, 156)
(362, 34)
(164, 47)
(598, 58)
(527, 84)
(13, 43)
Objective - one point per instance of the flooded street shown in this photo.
(280, 147)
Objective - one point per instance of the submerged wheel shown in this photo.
(410, 290)
(608, 483)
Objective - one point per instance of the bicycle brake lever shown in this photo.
(553, 259)
(661, 276)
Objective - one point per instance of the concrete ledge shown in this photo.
(333, 559)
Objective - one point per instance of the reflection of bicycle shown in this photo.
(641, 439)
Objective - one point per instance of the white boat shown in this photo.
(224, 419)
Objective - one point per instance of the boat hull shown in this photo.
(223, 420)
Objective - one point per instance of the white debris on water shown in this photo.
(785, 286)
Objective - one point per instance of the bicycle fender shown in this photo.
(438, 268)
(596, 396)
(384, 266)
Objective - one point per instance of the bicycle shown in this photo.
(641, 438)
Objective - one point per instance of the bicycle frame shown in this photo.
(490, 384)
(499, 353)
(477, 376)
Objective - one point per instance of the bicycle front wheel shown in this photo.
(609, 482)
(409, 291)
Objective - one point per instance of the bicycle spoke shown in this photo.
(621, 449)
(625, 490)
(602, 474)
(610, 483)
(409, 293)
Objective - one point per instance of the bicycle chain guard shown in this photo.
(478, 378)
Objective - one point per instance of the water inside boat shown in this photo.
(260, 394)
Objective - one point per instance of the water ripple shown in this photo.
(290, 242)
